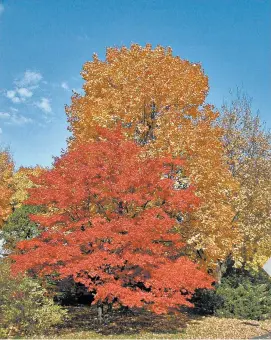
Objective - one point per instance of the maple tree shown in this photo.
(247, 146)
(6, 173)
(21, 182)
(160, 101)
(111, 225)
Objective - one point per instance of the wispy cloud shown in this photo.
(29, 78)
(13, 109)
(11, 94)
(19, 95)
(24, 87)
(24, 92)
(65, 86)
(83, 36)
(18, 119)
(25, 96)
(44, 105)
(1, 9)
(14, 118)
(4, 115)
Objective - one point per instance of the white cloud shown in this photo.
(24, 92)
(12, 117)
(65, 86)
(29, 78)
(19, 95)
(44, 105)
(20, 120)
(13, 109)
(10, 94)
(1, 8)
(4, 115)
(1, 131)
(17, 100)
(17, 119)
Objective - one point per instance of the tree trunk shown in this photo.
(100, 312)
(109, 307)
(218, 272)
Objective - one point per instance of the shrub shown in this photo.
(24, 308)
(248, 300)
(206, 301)
(241, 295)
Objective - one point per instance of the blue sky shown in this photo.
(43, 45)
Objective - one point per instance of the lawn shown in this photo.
(135, 324)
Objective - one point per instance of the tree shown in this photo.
(159, 100)
(6, 172)
(19, 227)
(247, 145)
(110, 224)
(21, 182)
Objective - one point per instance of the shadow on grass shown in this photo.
(120, 322)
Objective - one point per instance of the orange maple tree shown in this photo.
(111, 225)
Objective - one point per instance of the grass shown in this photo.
(138, 324)
(222, 328)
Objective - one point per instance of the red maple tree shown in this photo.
(110, 224)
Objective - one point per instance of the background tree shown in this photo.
(159, 100)
(247, 145)
(19, 226)
(6, 173)
(21, 182)
(110, 224)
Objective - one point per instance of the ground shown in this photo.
(137, 324)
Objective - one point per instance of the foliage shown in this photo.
(247, 146)
(241, 294)
(110, 225)
(246, 301)
(24, 308)
(21, 182)
(19, 227)
(6, 172)
(159, 100)
(206, 301)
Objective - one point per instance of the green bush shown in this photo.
(19, 227)
(247, 300)
(206, 301)
(24, 308)
(241, 295)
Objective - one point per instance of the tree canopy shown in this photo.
(247, 147)
(160, 101)
(111, 224)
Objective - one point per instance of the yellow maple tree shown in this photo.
(6, 173)
(159, 99)
(21, 182)
(247, 145)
